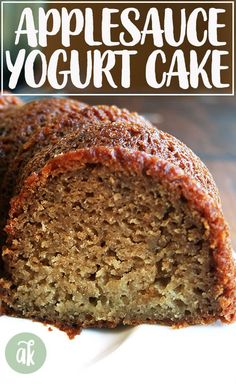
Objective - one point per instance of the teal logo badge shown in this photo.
(25, 353)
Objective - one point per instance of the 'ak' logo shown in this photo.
(25, 353)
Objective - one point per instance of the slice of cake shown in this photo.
(115, 222)
(18, 122)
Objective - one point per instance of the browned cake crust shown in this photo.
(69, 121)
(123, 142)
(76, 133)
(8, 104)
(18, 124)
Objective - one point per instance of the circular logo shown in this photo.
(25, 353)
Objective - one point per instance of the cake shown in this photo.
(113, 221)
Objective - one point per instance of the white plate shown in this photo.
(142, 354)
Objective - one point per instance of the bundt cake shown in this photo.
(112, 221)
